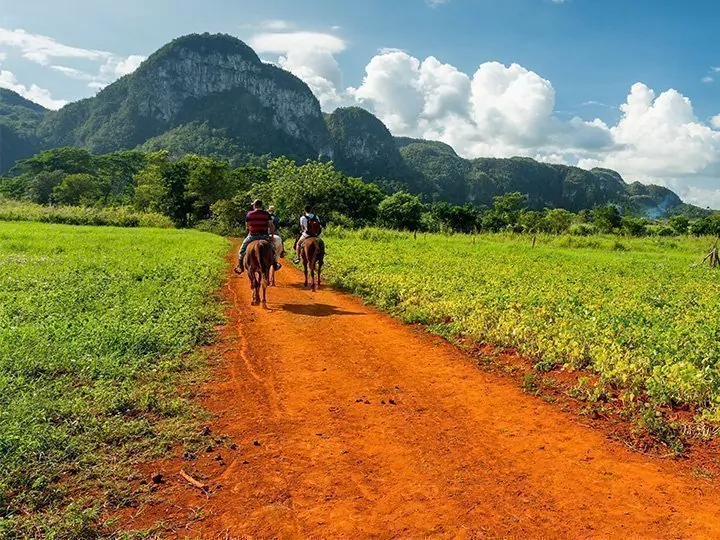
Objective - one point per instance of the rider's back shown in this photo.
(258, 222)
(313, 226)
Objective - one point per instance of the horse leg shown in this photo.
(312, 274)
(265, 280)
(305, 268)
(319, 271)
(251, 277)
(272, 276)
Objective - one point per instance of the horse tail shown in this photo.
(266, 262)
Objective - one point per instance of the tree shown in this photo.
(557, 220)
(150, 189)
(78, 189)
(607, 218)
(69, 160)
(680, 224)
(209, 181)
(332, 194)
(510, 206)
(707, 226)
(40, 187)
(634, 226)
(401, 211)
(532, 221)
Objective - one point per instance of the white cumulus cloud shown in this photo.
(33, 92)
(44, 50)
(310, 56)
(498, 111)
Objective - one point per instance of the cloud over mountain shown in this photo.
(506, 110)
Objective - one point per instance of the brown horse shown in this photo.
(258, 262)
(313, 256)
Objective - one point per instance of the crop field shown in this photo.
(95, 324)
(641, 313)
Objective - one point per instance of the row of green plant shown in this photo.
(95, 329)
(639, 312)
(115, 216)
(197, 191)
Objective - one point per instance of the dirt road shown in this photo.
(349, 424)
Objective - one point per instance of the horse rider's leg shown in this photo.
(241, 255)
(276, 264)
(299, 243)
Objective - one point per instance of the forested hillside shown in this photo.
(211, 95)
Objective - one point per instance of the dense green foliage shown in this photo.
(19, 121)
(363, 147)
(201, 191)
(74, 176)
(115, 216)
(641, 313)
(94, 324)
(437, 172)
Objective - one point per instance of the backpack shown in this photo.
(313, 226)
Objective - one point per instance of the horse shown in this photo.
(280, 250)
(312, 254)
(258, 262)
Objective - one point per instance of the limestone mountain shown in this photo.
(212, 80)
(364, 147)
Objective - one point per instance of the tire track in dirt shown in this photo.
(350, 424)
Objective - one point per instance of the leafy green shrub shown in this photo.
(581, 229)
(121, 216)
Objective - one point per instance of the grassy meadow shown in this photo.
(642, 313)
(95, 327)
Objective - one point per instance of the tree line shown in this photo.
(203, 192)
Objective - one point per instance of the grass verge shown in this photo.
(96, 327)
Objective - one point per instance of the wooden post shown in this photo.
(534, 239)
(713, 256)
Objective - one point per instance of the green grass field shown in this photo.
(641, 313)
(95, 327)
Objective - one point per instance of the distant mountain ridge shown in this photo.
(19, 120)
(211, 94)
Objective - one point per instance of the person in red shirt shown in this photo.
(260, 226)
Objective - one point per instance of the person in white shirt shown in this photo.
(309, 227)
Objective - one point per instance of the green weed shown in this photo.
(95, 327)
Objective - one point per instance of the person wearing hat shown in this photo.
(260, 226)
(276, 222)
(275, 219)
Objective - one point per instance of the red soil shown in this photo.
(349, 424)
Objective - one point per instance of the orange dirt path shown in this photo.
(459, 452)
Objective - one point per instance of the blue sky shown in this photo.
(589, 53)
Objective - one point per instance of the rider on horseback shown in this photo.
(310, 227)
(276, 223)
(260, 227)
